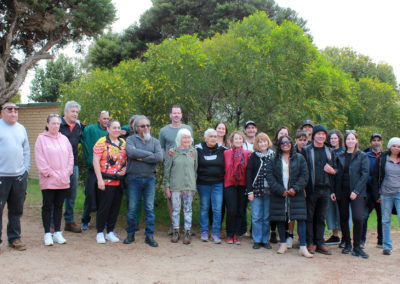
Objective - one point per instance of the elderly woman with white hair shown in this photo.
(210, 179)
(180, 175)
(386, 188)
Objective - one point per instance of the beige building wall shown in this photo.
(33, 117)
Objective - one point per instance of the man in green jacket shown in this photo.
(90, 135)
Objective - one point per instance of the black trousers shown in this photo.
(109, 203)
(52, 198)
(357, 212)
(317, 208)
(235, 200)
(13, 192)
(90, 204)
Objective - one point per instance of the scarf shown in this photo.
(237, 164)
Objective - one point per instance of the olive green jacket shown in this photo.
(180, 172)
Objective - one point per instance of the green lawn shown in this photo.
(34, 198)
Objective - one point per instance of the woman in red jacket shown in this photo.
(236, 159)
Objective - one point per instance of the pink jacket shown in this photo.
(54, 160)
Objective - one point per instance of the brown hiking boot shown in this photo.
(17, 245)
(186, 237)
(72, 227)
(175, 236)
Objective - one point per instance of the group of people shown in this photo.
(317, 177)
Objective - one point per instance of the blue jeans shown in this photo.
(387, 202)
(71, 196)
(301, 231)
(214, 193)
(260, 219)
(138, 187)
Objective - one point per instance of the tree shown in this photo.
(168, 19)
(31, 29)
(47, 81)
(359, 66)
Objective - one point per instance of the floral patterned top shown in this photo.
(112, 157)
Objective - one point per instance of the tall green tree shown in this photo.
(46, 84)
(30, 30)
(174, 18)
(359, 65)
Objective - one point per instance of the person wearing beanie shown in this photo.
(320, 165)
(386, 188)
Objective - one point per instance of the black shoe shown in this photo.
(150, 241)
(379, 245)
(333, 240)
(256, 245)
(347, 249)
(342, 244)
(267, 246)
(273, 238)
(359, 252)
(129, 239)
(387, 252)
(362, 244)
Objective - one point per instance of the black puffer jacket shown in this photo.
(211, 166)
(295, 206)
(358, 172)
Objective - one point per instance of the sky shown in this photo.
(369, 27)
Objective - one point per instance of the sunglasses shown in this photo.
(286, 142)
(53, 115)
(350, 131)
(145, 125)
(11, 108)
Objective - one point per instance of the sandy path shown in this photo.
(83, 260)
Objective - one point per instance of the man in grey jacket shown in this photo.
(144, 153)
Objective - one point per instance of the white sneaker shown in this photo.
(58, 238)
(112, 237)
(48, 239)
(100, 238)
(289, 242)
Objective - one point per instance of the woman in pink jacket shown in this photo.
(55, 161)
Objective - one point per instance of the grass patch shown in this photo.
(34, 198)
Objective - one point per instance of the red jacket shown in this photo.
(230, 178)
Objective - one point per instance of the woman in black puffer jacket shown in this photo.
(287, 176)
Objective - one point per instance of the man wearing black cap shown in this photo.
(320, 168)
(308, 127)
(373, 153)
(250, 131)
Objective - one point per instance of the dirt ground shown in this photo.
(82, 260)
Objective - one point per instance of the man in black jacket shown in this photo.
(72, 128)
(320, 167)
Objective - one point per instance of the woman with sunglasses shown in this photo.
(55, 161)
(109, 164)
(287, 176)
(350, 189)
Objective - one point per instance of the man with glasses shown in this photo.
(14, 167)
(90, 135)
(72, 128)
(144, 153)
